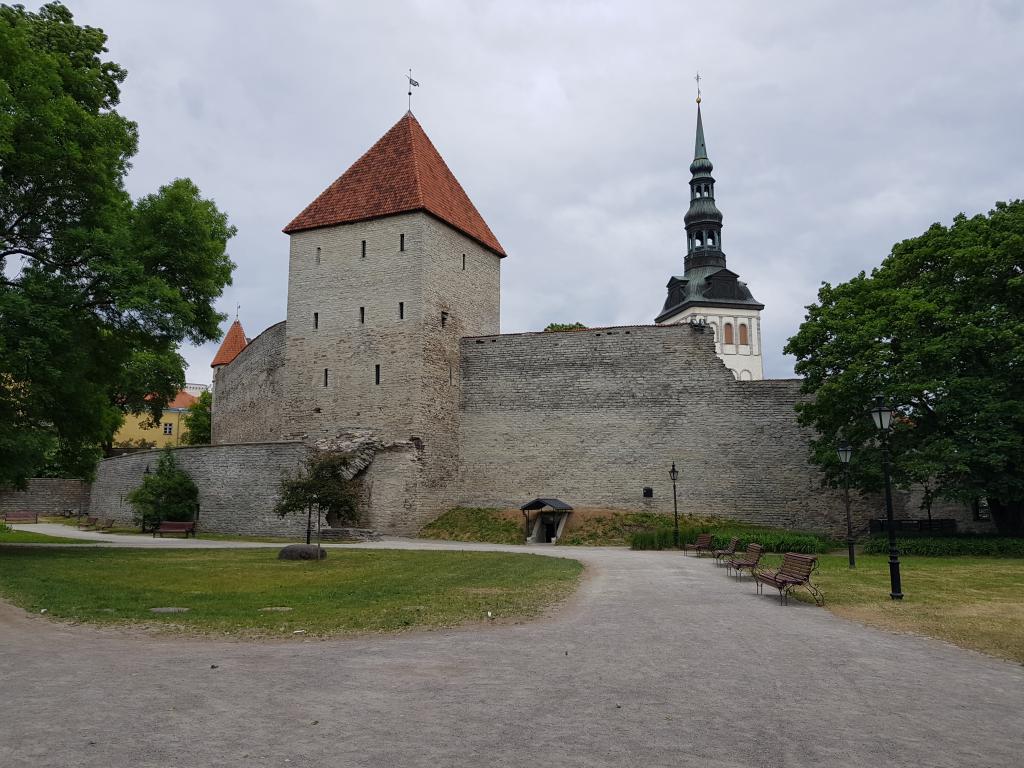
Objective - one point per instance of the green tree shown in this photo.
(166, 494)
(938, 330)
(197, 421)
(324, 483)
(96, 291)
(565, 327)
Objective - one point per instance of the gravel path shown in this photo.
(659, 660)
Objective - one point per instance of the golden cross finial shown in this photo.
(697, 78)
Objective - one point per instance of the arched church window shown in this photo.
(744, 335)
(727, 333)
(711, 239)
(700, 239)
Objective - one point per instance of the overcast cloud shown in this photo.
(836, 129)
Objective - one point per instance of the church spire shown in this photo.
(703, 219)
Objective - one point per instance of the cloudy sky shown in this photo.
(836, 129)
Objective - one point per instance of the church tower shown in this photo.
(707, 291)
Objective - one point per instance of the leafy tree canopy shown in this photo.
(565, 327)
(96, 290)
(325, 483)
(197, 421)
(938, 330)
(166, 494)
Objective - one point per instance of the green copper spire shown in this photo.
(703, 219)
(700, 148)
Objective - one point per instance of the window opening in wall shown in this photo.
(744, 334)
(401, 310)
(463, 262)
(364, 249)
(449, 375)
(362, 314)
(326, 374)
(318, 254)
(444, 319)
(376, 374)
(727, 333)
(316, 320)
(168, 428)
(401, 242)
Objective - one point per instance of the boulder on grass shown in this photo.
(302, 552)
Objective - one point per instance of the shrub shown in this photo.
(325, 484)
(772, 539)
(949, 546)
(659, 538)
(167, 494)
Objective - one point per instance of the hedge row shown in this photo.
(948, 546)
(771, 540)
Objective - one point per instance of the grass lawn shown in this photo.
(31, 537)
(224, 590)
(974, 602)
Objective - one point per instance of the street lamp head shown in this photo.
(882, 414)
(844, 450)
(673, 473)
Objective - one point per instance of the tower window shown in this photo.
(744, 334)
(463, 262)
(316, 320)
(362, 314)
(401, 310)
(364, 249)
(727, 332)
(401, 242)
(444, 319)
(326, 376)
(318, 254)
(449, 376)
(376, 374)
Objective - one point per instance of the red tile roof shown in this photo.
(182, 400)
(234, 342)
(402, 172)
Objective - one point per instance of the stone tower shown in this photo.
(708, 291)
(389, 267)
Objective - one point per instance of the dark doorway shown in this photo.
(550, 529)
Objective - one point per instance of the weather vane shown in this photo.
(697, 78)
(238, 308)
(412, 83)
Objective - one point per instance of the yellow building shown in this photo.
(136, 426)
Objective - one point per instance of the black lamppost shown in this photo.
(674, 474)
(845, 452)
(882, 416)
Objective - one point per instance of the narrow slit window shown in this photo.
(318, 254)
(463, 262)
(401, 310)
(327, 374)
(444, 319)
(401, 242)
(450, 377)
(362, 314)
(364, 249)
(376, 374)
(316, 320)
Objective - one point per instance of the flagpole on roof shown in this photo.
(411, 84)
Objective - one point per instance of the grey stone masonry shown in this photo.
(46, 496)
(238, 485)
(592, 417)
(248, 393)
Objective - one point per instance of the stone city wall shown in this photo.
(248, 393)
(591, 417)
(238, 485)
(46, 496)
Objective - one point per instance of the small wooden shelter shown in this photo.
(548, 523)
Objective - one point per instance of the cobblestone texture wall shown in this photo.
(237, 485)
(592, 417)
(249, 393)
(46, 496)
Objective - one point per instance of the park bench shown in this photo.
(794, 572)
(89, 522)
(21, 517)
(746, 561)
(721, 554)
(702, 544)
(172, 526)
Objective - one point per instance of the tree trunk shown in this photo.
(1008, 517)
